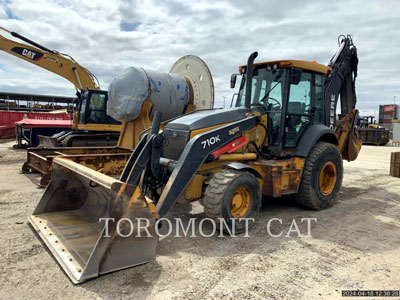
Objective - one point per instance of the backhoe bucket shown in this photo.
(348, 137)
(68, 219)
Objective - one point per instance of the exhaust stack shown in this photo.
(249, 80)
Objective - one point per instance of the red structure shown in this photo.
(35, 123)
(30, 130)
(8, 119)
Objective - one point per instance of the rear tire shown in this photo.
(233, 195)
(322, 177)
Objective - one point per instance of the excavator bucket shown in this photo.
(69, 219)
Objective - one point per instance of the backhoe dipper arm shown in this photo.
(341, 82)
(50, 60)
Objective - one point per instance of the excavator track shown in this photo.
(91, 140)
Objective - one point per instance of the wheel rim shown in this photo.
(327, 178)
(240, 203)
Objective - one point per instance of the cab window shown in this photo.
(319, 100)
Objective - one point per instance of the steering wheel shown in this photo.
(279, 104)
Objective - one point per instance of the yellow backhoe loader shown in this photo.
(91, 125)
(281, 137)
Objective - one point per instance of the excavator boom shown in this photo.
(53, 61)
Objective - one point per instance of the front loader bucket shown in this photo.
(67, 219)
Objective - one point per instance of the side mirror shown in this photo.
(233, 80)
(296, 75)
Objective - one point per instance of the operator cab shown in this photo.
(93, 108)
(290, 93)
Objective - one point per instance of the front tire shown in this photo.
(233, 195)
(322, 177)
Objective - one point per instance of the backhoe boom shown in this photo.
(341, 82)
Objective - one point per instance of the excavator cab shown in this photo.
(93, 107)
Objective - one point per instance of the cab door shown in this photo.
(302, 108)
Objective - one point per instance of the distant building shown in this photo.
(387, 113)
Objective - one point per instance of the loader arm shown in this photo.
(340, 83)
(51, 60)
(194, 155)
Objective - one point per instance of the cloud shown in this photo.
(3, 13)
(107, 36)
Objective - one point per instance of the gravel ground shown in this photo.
(354, 245)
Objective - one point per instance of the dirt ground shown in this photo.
(354, 245)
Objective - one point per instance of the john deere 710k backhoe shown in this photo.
(281, 137)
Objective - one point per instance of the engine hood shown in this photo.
(207, 118)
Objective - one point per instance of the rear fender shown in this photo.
(242, 167)
(312, 135)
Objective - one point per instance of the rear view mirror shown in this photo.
(295, 76)
(233, 80)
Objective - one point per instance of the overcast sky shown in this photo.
(106, 37)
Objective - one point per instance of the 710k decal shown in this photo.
(211, 141)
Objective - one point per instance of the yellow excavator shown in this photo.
(91, 125)
(281, 137)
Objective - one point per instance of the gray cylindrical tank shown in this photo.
(168, 92)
